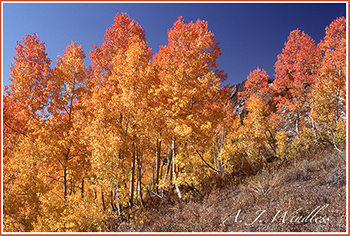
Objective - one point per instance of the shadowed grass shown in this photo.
(306, 194)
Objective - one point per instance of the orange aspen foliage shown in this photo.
(29, 75)
(296, 71)
(187, 70)
(192, 96)
(257, 83)
(251, 140)
(328, 101)
(65, 123)
(25, 105)
(27, 93)
(120, 82)
(24, 186)
(257, 134)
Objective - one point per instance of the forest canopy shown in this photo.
(85, 145)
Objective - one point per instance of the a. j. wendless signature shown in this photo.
(280, 216)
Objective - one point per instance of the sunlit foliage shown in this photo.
(85, 146)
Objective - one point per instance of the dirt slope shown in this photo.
(306, 194)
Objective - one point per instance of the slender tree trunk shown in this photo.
(197, 162)
(132, 177)
(139, 189)
(111, 198)
(116, 198)
(171, 172)
(161, 169)
(82, 187)
(223, 135)
(222, 138)
(173, 169)
(71, 189)
(153, 177)
(103, 200)
(65, 182)
(314, 130)
(337, 100)
(337, 105)
(159, 144)
(167, 170)
(297, 124)
(136, 187)
(214, 154)
(65, 190)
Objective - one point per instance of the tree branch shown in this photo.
(17, 131)
(206, 162)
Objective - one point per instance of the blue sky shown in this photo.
(251, 35)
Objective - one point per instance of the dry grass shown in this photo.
(288, 189)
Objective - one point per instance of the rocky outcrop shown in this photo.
(236, 103)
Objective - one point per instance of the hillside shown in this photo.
(283, 193)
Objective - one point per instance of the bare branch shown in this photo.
(206, 162)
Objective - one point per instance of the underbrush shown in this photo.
(304, 194)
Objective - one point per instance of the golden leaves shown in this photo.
(76, 137)
(328, 98)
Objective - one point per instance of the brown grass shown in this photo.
(315, 180)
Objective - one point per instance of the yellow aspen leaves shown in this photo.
(83, 145)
